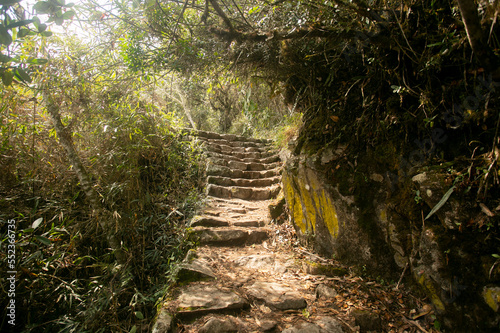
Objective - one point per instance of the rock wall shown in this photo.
(367, 214)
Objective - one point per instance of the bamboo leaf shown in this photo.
(19, 24)
(43, 240)
(441, 202)
(37, 223)
(38, 61)
(22, 75)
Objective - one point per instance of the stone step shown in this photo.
(246, 193)
(232, 149)
(215, 221)
(251, 152)
(240, 154)
(242, 182)
(229, 137)
(245, 144)
(234, 203)
(228, 236)
(219, 211)
(238, 210)
(200, 299)
(277, 296)
(223, 171)
(247, 223)
(245, 166)
(194, 269)
(265, 160)
(208, 221)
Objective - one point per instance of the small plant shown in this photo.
(437, 323)
(417, 198)
(497, 257)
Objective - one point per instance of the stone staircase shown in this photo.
(234, 282)
(242, 277)
(242, 174)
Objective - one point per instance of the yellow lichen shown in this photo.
(293, 201)
(427, 284)
(383, 215)
(491, 296)
(310, 209)
(308, 202)
(329, 213)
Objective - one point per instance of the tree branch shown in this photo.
(222, 15)
(377, 39)
(102, 215)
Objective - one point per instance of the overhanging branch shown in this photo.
(300, 33)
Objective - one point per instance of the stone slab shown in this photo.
(163, 322)
(320, 325)
(220, 325)
(229, 236)
(277, 295)
(208, 298)
(208, 221)
(247, 224)
(195, 269)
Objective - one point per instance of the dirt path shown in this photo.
(250, 275)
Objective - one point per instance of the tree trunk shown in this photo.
(477, 37)
(100, 213)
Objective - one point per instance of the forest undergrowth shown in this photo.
(151, 181)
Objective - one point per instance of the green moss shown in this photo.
(386, 154)
(190, 308)
(315, 268)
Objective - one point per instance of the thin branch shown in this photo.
(242, 15)
(181, 15)
(222, 15)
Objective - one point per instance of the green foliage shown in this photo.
(143, 172)
(17, 33)
(289, 130)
